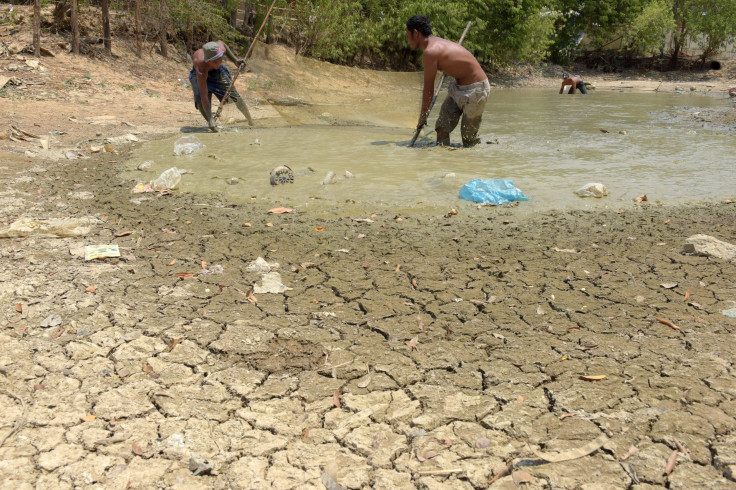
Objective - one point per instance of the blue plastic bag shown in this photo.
(491, 191)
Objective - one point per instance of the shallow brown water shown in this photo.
(549, 145)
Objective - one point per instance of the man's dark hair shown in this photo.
(419, 23)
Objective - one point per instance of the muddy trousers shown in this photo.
(468, 102)
(217, 83)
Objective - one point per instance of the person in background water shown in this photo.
(209, 76)
(466, 96)
(575, 82)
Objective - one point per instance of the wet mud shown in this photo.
(417, 351)
(721, 119)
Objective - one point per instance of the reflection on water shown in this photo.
(548, 144)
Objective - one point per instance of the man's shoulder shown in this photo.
(438, 42)
(435, 46)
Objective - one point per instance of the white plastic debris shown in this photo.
(262, 266)
(169, 179)
(187, 145)
(592, 190)
(270, 283)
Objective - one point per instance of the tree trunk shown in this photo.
(138, 43)
(37, 28)
(674, 59)
(162, 29)
(60, 15)
(678, 36)
(75, 27)
(106, 39)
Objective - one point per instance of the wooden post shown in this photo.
(37, 28)
(106, 40)
(75, 26)
(138, 43)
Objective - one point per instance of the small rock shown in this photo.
(708, 246)
(200, 466)
(51, 321)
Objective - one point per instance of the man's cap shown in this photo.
(564, 75)
(212, 51)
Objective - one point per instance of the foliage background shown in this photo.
(503, 32)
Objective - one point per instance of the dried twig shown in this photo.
(441, 472)
(323, 368)
(504, 472)
(19, 423)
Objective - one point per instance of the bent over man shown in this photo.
(209, 76)
(467, 95)
(575, 82)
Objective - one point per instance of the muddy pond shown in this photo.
(549, 145)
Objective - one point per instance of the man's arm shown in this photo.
(231, 56)
(562, 87)
(205, 100)
(572, 87)
(202, 85)
(430, 73)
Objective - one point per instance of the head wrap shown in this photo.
(212, 51)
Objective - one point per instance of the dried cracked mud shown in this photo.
(403, 352)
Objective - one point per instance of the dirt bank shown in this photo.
(396, 351)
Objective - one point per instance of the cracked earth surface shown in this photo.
(420, 352)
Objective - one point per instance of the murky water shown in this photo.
(548, 144)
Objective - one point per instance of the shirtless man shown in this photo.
(575, 82)
(209, 76)
(466, 96)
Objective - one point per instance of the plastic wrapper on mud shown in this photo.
(491, 191)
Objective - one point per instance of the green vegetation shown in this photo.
(372, 32)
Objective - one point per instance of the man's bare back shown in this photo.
(452, 59)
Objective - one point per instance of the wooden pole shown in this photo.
(162, 30)
(37, 28)
(106, 41)
(75, 26)
(138, 43)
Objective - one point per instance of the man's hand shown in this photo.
(422, 121)
(240, 62)
(211, 123)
